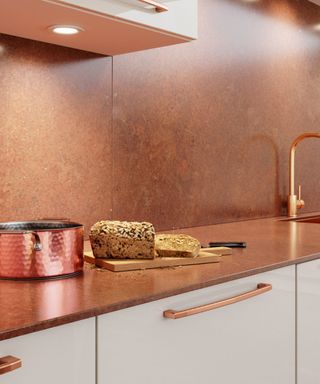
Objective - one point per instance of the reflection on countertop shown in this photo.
(272, 243)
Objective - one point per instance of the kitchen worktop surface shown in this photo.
(272, 243)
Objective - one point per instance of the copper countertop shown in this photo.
(31, 306)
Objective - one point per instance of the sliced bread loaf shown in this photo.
(171, 245)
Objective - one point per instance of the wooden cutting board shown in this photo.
(206, 255)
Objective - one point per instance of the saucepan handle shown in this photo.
(37, 246)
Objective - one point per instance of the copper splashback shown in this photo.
(55, 120)
(192, 134)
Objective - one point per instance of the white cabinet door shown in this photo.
(308, 322)
(249, 342)
(61, 355)
(181, 18)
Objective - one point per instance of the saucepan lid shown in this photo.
(37, 225)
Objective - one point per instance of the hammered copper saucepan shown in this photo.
(37, 249)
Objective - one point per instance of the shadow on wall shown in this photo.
(57, 55)
(258, 188)
(270, 150)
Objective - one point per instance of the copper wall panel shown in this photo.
(55, 132)
(200, 131)
(203, 130)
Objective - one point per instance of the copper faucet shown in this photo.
(294, 202)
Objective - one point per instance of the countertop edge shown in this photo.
(101, 310)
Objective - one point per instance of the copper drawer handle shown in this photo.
(158, 7)
(261, 288)
(9, 363)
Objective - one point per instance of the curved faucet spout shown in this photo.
(293, 203)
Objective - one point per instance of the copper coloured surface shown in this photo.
(32, 306)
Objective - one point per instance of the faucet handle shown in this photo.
(300, 202)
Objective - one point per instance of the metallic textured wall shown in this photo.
(203, 129)
(196, 133)
(55, 129)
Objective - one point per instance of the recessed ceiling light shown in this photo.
(66, 29)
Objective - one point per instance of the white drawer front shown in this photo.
(248, 342)
(61, 355)
(308, 320)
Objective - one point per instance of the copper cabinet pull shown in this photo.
(158, 7)
(261, 288)
(9, 363)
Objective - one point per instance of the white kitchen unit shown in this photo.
(109, 27)
(247, 342)
(308, 321)
(64, 355)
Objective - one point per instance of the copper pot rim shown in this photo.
(44, 226)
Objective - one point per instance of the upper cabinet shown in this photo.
(109, 27)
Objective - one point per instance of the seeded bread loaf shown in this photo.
(168, 245)
(122, 240)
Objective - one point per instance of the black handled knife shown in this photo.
(229, 244)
